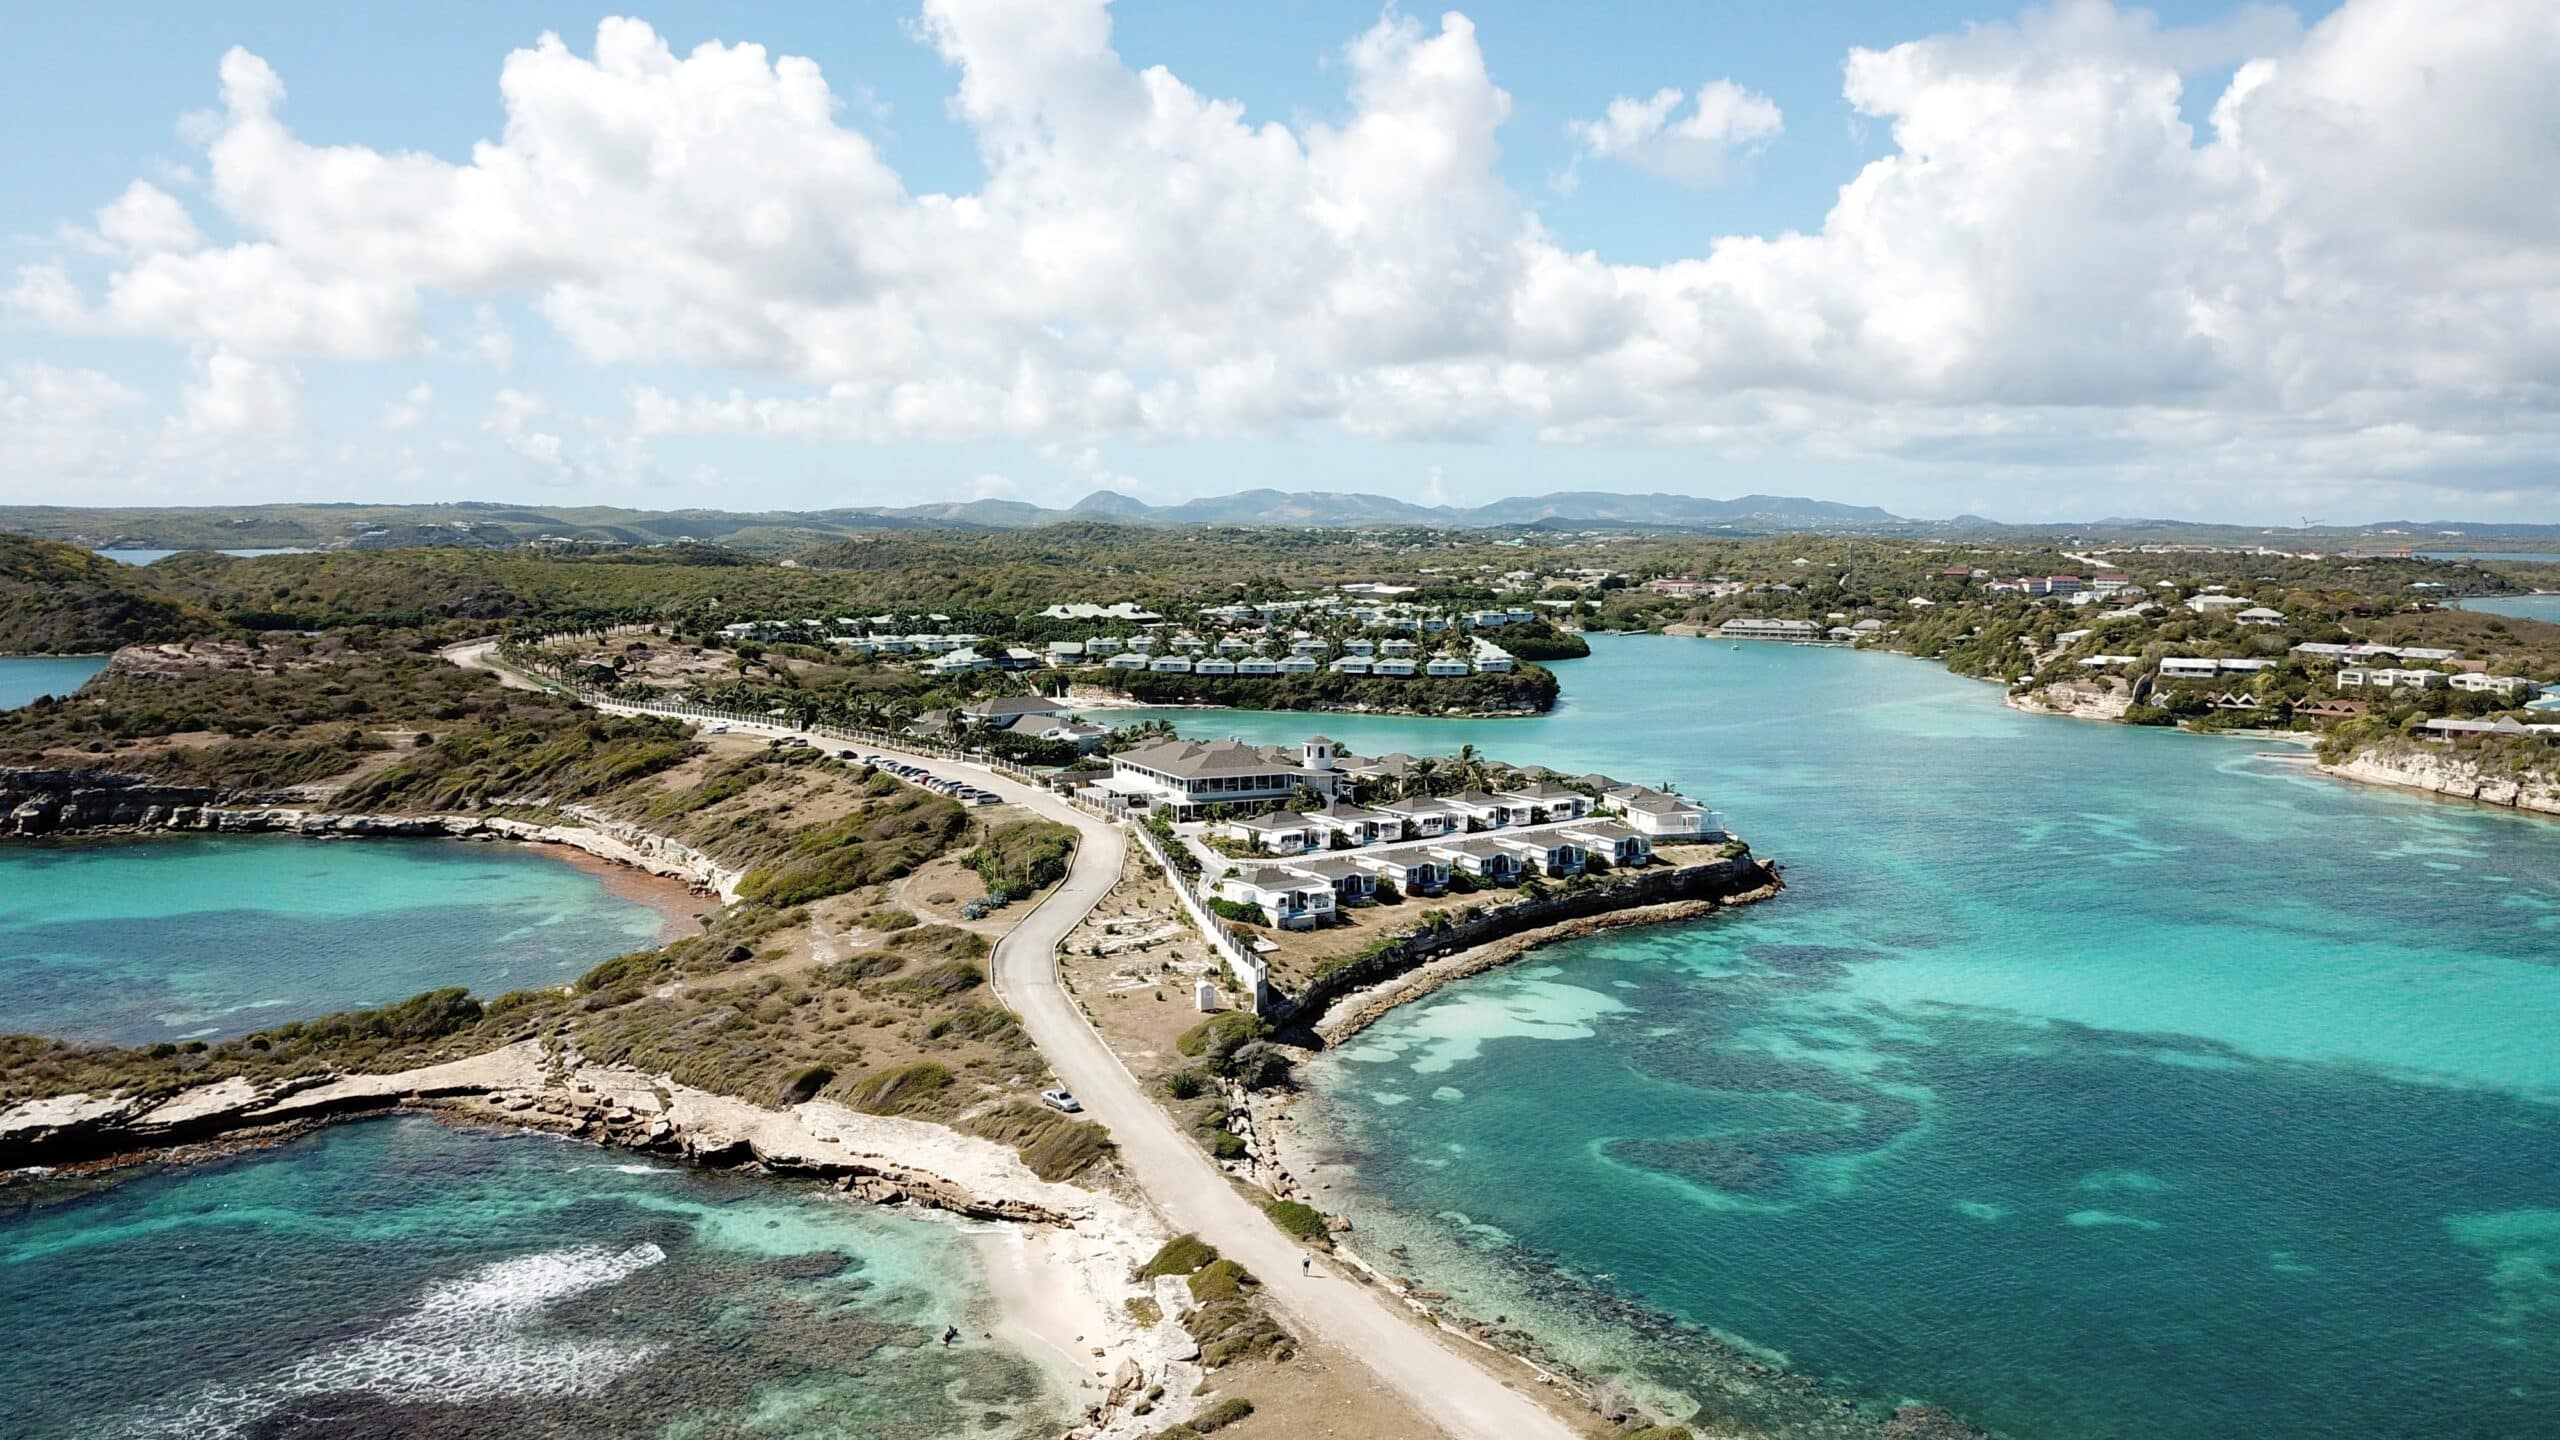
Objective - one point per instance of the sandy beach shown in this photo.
(680, 907)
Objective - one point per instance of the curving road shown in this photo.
(1417, 1361)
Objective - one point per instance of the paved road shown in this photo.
(1436, 1378)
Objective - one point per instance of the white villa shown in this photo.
(2511, 686)
(1426, 817)
(1357, 826)
(1755, 629)
(1618, 844)
(1485, 859)
(2356, 677)
(1414, 872)
(1550, 801)
(1279, 832)
(1293, 900)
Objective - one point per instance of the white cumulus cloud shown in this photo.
(1692, 145)
(2349, 271)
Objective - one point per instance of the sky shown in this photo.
(2247, 263)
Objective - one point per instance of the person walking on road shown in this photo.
(1306, 1263)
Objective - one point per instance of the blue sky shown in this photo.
(2062, 288)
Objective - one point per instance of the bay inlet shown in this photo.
(2086, 1080)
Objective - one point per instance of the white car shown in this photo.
(1060, 1100)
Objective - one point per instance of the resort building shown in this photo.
(1356, 826)
(1618, 844)
(2205, 667)
(1491, 812)
(2503, 725)
(1279, 832)
(2511, 686)
(1756, 629)
(1353, 883)
(1427, 818)
(1185, 776)
(1006, 708)
(2356, 677)
(1547, 800)
(1485, 859)
(1547, 851)
(1411, 871)
(1661, 815)
(1292, 901)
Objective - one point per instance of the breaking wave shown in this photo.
(465, 1342)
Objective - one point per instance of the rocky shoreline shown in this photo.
(1358, 1010)
(39, 803)
(2444, 772)
(882, 1160)
(1635, 897)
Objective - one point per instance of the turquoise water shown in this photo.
(2524, 557)
(2089, 1081)
(182, 937)
(2523, 607)
(145, 557)
(24, 677)
(398, 1278)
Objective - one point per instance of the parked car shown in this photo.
(1061, 1101)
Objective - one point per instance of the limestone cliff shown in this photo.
(2099, 697)
(52, 802)
(2457, 773)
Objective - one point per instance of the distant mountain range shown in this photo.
(482, 523)
(1333, 508)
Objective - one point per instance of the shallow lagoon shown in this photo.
(2087, 1080)
(24, 677)
(201, 936)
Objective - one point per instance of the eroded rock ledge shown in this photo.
(879, 1158)
(62, 802)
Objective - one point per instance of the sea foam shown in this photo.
(465, 1342)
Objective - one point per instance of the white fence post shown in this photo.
(1246, 966)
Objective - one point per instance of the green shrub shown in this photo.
(1238, 911)
(1217, 1037)
(1213, 1419)
(804, 1085)
(1221, 1280)
(1024, 856)
(901, 1090)
(1181, 1255)
(1300, 1222)
(623, 972)
(1183, 1084)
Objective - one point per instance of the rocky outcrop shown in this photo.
(2101, 697)
(880, 1159)
(58, 802)
(2444, 770)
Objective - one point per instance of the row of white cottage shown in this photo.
(1416, 845)
(1340, 854)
